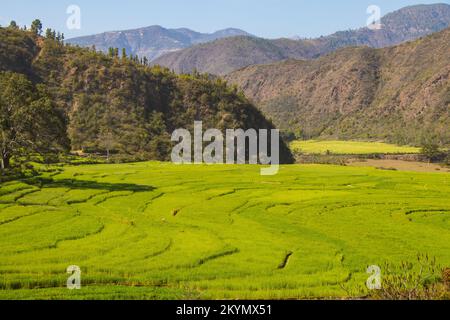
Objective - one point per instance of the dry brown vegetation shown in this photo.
(399, 94)
(400, 165)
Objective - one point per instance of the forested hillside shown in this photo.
(117, 105)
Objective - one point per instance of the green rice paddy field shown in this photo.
(161, 231)
(351, 147)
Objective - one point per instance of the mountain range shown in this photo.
(229, 54)
(152, 41)
(399, 94)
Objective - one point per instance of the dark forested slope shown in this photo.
(117, 104)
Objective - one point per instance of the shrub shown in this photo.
(423, 280)
(432, 152)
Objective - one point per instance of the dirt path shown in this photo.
(400, 165)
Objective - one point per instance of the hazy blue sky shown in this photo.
(265, 18)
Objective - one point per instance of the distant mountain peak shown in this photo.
(232, 31)
(153, 41)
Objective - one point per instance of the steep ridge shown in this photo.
(226, 55)
(399, 93)
(153, 41)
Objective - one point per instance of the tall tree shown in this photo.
(13, 25)
(29, 121)
(107, 141)
(431, 151)
(36, 26)
(49, 34)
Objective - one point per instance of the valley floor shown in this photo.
(160, 231)
(345, 147)
(400, 165)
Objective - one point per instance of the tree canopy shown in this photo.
(29, 120)
(36, 26)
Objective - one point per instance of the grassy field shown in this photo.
(160, 231)
(350, 147)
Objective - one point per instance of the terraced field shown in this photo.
(160, 231)
(350, 147)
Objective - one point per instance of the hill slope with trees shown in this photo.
(116, 104)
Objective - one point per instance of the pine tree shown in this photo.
(13, 25)
(49, 34)
(36, 27)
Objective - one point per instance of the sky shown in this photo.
(264, 18)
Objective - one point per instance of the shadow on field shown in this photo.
(84, 184)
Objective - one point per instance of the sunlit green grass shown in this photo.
(350, 147)
(161, 231)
